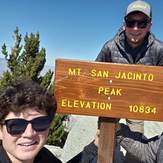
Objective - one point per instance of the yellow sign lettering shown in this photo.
(99, 73)
(110, 91)
(83, 104)
(134, 76)
(74, 71)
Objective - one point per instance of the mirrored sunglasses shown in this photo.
(18, 126)
(131, 23)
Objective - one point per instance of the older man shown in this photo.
(134, 44)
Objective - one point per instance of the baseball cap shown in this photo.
(140, 6)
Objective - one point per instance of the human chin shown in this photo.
(27, 155)
(27, 150)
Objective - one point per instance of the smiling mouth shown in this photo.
(135, 34)
(28, 144)
(134, 40)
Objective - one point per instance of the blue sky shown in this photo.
(72, 29)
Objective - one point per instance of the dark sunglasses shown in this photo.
(139, 23)
(18, 126)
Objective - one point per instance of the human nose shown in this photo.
(135, 27)
(29, 131)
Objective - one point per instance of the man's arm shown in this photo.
(160, 59)
(105, 54)
(141, 149)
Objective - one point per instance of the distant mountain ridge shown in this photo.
(3, 67)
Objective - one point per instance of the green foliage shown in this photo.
(59, 136)
(27, 62)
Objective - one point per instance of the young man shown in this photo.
(26, 112)
(134, 44)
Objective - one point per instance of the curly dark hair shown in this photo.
(23, 94)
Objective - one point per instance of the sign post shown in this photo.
(109, 90)
(106, 141)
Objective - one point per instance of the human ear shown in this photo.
(150, 24)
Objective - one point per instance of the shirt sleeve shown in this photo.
(144, 150)
(105, 54)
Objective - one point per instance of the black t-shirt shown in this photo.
(44, 156)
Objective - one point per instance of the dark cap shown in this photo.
(140, 6)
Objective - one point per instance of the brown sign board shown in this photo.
(109, 89)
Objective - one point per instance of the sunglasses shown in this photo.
(18, 126)
(139, 23)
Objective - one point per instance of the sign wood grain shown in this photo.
(109, 89)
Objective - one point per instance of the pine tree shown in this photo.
(27, 62)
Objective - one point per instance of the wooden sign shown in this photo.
(109, 89)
